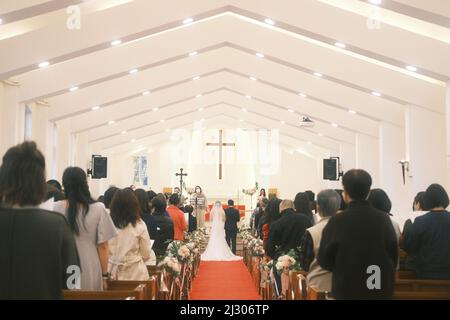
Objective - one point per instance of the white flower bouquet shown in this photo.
(287, 262)
(171, 265)
(256, 247)
(179, 250)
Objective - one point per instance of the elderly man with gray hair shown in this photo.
(328, 202)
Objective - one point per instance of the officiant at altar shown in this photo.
(199, 202)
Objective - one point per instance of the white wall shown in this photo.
(367, 157)
(426, 148)
(392, 150)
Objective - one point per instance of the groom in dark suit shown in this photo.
(231, 229)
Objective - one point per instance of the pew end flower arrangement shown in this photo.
(288, 262)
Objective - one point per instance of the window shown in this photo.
(28, 134)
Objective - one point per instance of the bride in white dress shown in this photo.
(218, 249)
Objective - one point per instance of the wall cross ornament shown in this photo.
(405, 169)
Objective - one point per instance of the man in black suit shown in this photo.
(359, 245)
(231, 229)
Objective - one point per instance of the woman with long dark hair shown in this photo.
(303, 206)
(146, 215)
(91, 225)
(272, 213)
(131, 248)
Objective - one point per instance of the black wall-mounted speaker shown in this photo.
(330, 169)
(99, 167)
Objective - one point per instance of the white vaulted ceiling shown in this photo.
(244, 63)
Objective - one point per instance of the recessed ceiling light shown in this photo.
(411, 68)
(124, 132)
(269, 21)
(133, 140)
(188, 20)
(196, 78)
(252, 78)
(95, 108)
(199, 95)
(248, 96)
(241, 120)
(375, 93)
(133, 71)
(155, 109)
(73, 89)
(244, 110)
(334, 125)
(375, 1)
(291, 111)
(146, 93)
(340, 45)
(200, 110)
(44, 64)
(301, 94)
(162, 120)
(320, 134)
(282, 122)
(259, 55)
(317, 74)
(111, 122)
(352, 111)
(116, 42)
(193, 54)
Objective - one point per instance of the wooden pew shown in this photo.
(402, 258)
(302, 286)
(414, 285)
(156, 272)
(138, 293)
(150, 292)
(297, 286)
(405, 274)
(314, 293)
(421, 295)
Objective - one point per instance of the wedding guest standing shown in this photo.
(164, 225)
(328, 203)
(36, 246)
(177, 216)
(130, 249)
(92, 226)
(146, 214)
(199, 202)
(358, 241)
(428, 239)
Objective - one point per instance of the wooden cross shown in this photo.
(220, 144)
(181, 175)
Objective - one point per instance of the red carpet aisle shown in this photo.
(223, 281)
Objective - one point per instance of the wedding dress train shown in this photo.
(218, 249)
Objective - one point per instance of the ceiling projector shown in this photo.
(306, 122)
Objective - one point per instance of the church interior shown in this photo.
(241, 95)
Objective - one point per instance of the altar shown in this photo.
(241, 209)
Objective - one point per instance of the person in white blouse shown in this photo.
(130, 249)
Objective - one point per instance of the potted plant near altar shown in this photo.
(250, 192)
